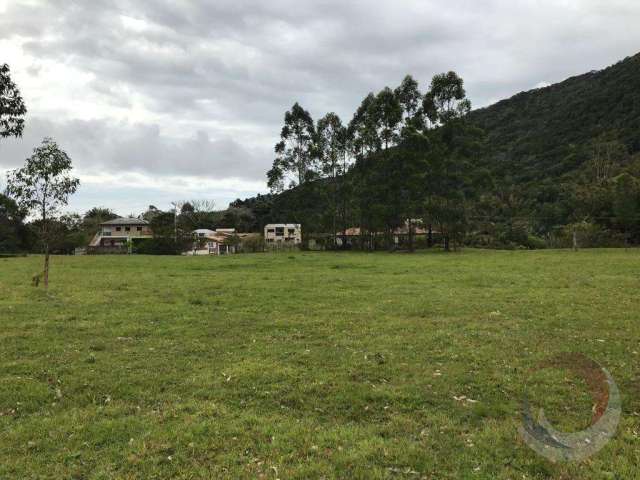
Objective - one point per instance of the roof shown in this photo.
(218, 235)
(217, 231)
(285, 225)
(126, 221)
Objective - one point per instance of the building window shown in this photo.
(127, 229)
(118, 229)
(271, 230)
(106, 233)
(279, 231)
(292, 231)
(139, 229)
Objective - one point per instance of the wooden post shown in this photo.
(575, 239)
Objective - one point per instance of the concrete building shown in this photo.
(287, 233)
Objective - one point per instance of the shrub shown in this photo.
(536, 243)
(159, 246)
(252, 244)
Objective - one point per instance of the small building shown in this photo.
(287, 233)
(414, 228)
(221, 241)
(118, 235)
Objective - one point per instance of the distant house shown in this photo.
(117, 236)
(214, 242)
(355, 236)
(289, 233)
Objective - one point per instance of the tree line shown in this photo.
(524, 173)
(403, 157)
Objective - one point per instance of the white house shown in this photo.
(213, 242)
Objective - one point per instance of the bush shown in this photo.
(159, 246)
(252, 244)
(589, 235)
(536, 243)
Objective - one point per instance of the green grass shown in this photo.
(311, 365)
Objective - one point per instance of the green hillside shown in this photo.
(549, 160)
(548, 132)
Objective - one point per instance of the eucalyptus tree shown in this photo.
(294, 151)
(331, 150)
(456, 142)
(446, 99)
(12, 107)
(410, 99)
(42, 187)
(388, 116)
(363, 128)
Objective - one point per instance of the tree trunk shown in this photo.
(446, 242)
(410, 236)
(46, 266)
(430, 236)
(335, 210)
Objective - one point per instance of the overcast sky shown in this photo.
(169, 100)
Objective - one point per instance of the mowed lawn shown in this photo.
(311, 365)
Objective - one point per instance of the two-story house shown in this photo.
(119, 234)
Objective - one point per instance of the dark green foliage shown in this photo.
(12, 107)
(93, 218)
(548, 132)
(14, 236)
(158, 246)
(163, 224)
(294, 152)
(66, 233)
(554, 153)
(548, 158)
(626, 203)
(261, 208)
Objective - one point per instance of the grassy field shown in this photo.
(311, 365)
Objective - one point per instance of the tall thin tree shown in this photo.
(43, 187)
(331, 150)
(294, 151)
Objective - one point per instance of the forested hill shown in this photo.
(547, 132)
(541, 164)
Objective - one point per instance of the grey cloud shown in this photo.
(101, 147)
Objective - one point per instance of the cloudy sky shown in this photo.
(168, 100)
